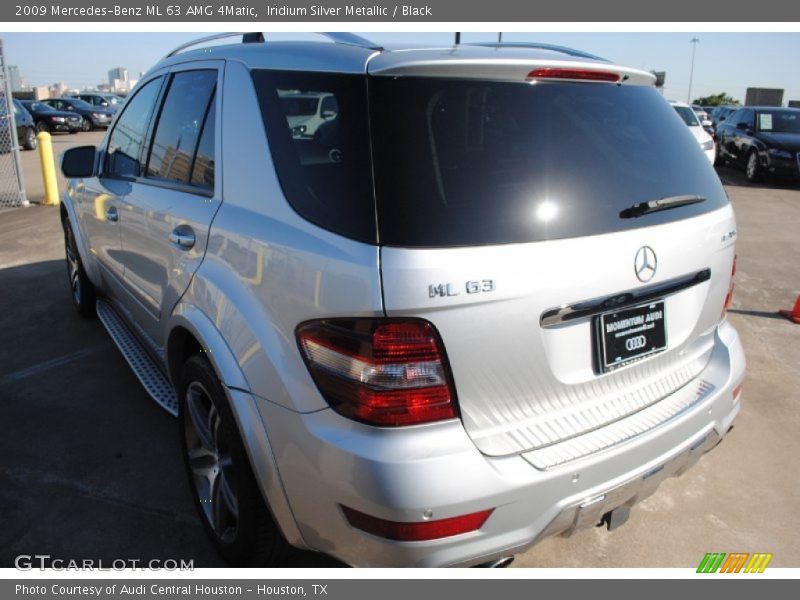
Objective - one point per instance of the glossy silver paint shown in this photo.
(542, 438)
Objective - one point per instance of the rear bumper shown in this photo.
(326, 461)
(784, 168)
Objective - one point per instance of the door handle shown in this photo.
(183, 237)
(112, 214)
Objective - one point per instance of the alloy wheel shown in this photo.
(211, 463)
(752, 166)
(73, 266)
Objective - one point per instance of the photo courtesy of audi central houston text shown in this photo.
(402, 305)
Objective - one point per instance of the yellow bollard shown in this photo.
(48, 168)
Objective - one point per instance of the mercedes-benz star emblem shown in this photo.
(645, 263)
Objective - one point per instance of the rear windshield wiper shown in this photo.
(651, 206)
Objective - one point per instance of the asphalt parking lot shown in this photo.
(90, 466)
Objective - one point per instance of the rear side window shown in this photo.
(460, 162)
(317, 126)
(125, 145)
(181, 125)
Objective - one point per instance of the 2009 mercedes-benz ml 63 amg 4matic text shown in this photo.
(480, 302)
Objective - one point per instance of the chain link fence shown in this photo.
(12, 189)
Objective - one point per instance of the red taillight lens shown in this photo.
(729, 297)
(416, 532)
(387, 372)
(574, 74)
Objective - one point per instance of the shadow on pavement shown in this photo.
(90, 466)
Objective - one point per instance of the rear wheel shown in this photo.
(84, 296)
(29, 139)
(225, 491)
(753, 169)
(42, 126)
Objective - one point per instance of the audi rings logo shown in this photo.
(645, 263)
(635, 343)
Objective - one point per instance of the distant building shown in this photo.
(764, 97)
(117, 73)
(41, 93)
(58, 89)
(15, 79)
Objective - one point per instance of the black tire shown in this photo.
(718, 160)
(84, 296)
(752, 168)
(42, 126)
(29, 141)
(246, 536)
(86, 125)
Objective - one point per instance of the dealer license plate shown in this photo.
(630, 334)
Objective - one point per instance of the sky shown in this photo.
(724, 62)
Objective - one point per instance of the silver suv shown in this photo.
(482, 303)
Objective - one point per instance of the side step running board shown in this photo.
(153, 380)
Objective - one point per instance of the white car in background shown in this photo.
(691, 119)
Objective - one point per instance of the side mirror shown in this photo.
(79, 162)
(741, 126)
(328, 114)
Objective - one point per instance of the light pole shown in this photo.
(694, 41)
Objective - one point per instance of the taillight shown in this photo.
(387, 372)
(574, 74)
(729, 298)
(419, 531)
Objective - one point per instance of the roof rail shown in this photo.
(534, 45)
(337, 37)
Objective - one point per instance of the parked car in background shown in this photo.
(466, 314)
(307, 112)
(110, 101)
(49, 119)
(692, 121)
(94, 117)
(701, 112)
(720, 113)
(22, 125)
(763, 140)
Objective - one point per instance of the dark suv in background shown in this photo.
(93, 117)
(763, 140)
(22, 123)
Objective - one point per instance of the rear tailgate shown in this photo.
(504, 211)
(523, 386)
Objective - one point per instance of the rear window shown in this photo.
(461, 162)
(465, 162)
(688, 115)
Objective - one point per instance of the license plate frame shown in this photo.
(628, 335)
